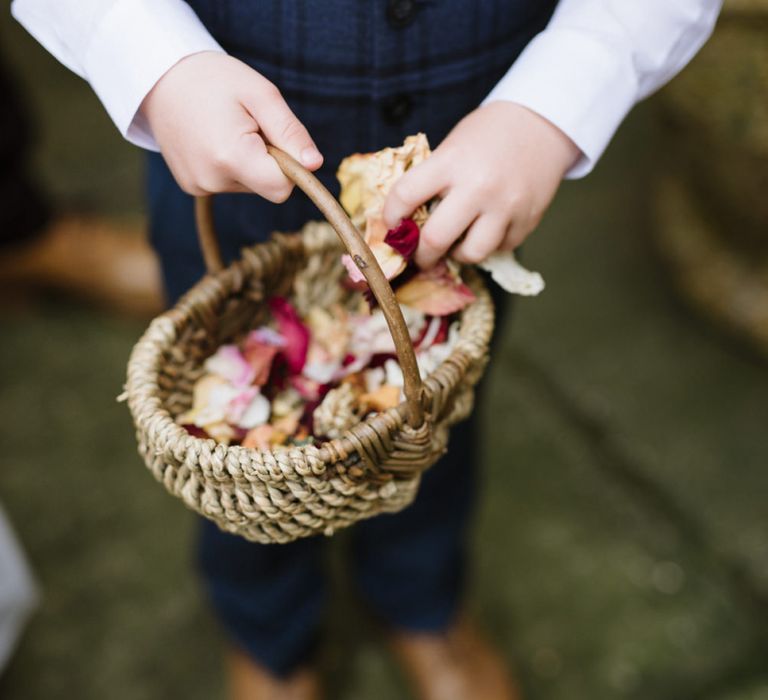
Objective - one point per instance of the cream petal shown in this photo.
(511, 276)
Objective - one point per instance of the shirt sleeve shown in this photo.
(121, 47)
(597, 58)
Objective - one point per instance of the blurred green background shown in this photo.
(621, 547)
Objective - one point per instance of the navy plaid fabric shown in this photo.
(361, 75)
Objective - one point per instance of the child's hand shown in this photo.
(211, 113)
(496, 172)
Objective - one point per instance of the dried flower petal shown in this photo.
(295, 333)
(436, 292)
(256, 413)
(265, 336)
(393, 374)
(432, 357)
(195, 431)
(221, 432)
(435, 332)
(511, 276)
(330, 329)
(308, 389)
(210, 401)
(321, 372)
(385, 397)
(259, 438)
(239, 404)
(302, 437)
(352, 269)
(289, 423)
(374, 378)
(260, 357)
(404, 238)
(285, 402)
(366, 178)
(390, 262)
(228, 362)
(375, 230)
(371, 334)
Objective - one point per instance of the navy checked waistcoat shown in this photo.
(361, 75)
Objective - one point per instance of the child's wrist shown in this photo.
(557, 146)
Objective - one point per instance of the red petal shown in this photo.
(436, 292)
(404, 238)
(440, 337)
(296, 334)
(194, 431)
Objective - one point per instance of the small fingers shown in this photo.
(483, 238)
(414, 188)
(517, 232)
(443, 228)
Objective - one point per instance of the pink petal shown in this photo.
(239, 403)
(260, 357)
(352, 269)
(265, 336)
(228, 362)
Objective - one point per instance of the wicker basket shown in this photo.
(294, 491)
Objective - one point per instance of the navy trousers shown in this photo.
(360, 76)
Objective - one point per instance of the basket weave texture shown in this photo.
(289, 492)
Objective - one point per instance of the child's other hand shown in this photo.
(496, 172)
(211, 115)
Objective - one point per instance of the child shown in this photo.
(517, 93)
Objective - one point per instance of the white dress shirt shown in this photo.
(594, 61)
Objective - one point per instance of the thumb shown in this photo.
(282, 128)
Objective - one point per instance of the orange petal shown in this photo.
(386, 396)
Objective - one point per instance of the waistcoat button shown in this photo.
(400, 13)
(396, 109)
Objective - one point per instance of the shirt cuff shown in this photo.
(133, 46)
(580, 81)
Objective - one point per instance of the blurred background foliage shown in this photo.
(621, 547)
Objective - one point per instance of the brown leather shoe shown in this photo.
(250, 681)
(106, 262)
(458, 665)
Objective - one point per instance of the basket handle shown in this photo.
(360, 253)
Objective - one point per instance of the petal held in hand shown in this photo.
(404, 238)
